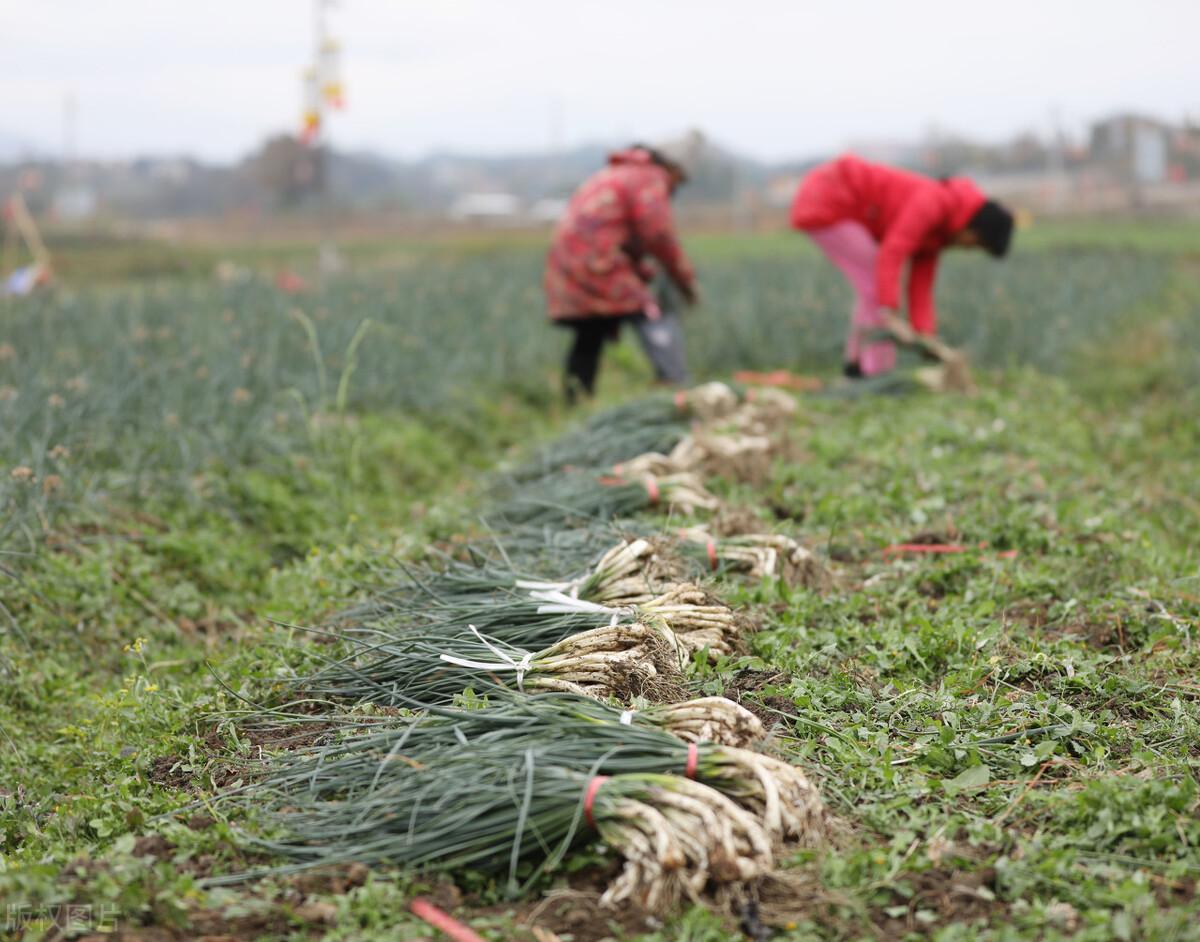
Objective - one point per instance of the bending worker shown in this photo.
(870, 221)
(599, 268)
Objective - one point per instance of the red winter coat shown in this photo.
(911, 217)
(596, 266)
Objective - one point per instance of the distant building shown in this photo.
(486, 207)
(780, 190)
(74, 202)
(548, 210)
(1134, 148)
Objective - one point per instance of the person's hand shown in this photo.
(900, 329)
(691, 294)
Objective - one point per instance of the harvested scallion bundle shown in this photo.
(549, 640)
(633, 571)
(698, 620)
(501, 814)
(583, 496)
(487, 787)
(574, 732)
(621, 660)
(737, 456)
(760, 556)
(653, 424)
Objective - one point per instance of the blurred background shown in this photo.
(357, 120)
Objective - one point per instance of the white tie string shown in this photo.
(507, 662)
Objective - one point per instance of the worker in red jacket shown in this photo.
(871, 220)
(599, 268)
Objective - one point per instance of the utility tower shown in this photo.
(323, 92)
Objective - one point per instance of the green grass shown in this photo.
(1013, 742)
(88, 256)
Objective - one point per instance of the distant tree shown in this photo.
(287, 169)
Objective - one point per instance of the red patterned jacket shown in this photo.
(597, 264)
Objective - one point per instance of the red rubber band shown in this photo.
(712, 555)
(590, 796)
(443, 921)
(652, 488)
(681, 401)
(689, 770)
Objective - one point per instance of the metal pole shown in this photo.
(328, 260)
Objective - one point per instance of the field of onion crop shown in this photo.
(998, 738)
(125, 391)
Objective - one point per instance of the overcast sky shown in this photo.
(773, 78)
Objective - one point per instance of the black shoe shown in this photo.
(852, 371)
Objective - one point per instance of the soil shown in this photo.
(746, 688)
(943, 895)
(573, 911)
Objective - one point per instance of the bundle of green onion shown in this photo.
(582, 496)
(549, 640)
(524, 778)
(759, 556)
(654, 424)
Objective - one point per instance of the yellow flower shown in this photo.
(56, 401)
(151, 688)
(51, 483)
(21, 473)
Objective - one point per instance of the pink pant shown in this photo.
(852, 248)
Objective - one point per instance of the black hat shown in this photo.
(994, 226)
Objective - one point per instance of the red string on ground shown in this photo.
(443, 921)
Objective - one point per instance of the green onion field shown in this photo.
(196, 471)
